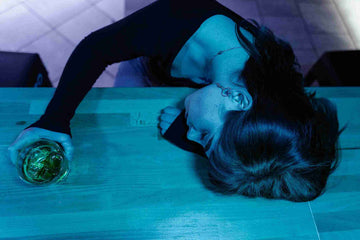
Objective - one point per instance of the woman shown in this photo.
(264, 136)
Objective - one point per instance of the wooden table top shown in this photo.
(128, 182)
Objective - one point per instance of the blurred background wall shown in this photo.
(54, 28)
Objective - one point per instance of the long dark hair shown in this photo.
(286, 145)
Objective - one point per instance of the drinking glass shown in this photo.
(42, 163)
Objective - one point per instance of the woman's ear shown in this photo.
(242, 101)
(247, 101)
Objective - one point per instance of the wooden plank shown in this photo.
(337, 212)
(141, 196)
(127, 182)
(131, 100)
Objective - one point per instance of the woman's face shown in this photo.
(206, 109)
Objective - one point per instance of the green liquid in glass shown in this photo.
(43, 162)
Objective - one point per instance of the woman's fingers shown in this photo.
(165, 122)
(35, 134)
(164, 126)
(167, 117)
(172, 110)
(23, 139)
(62, 138)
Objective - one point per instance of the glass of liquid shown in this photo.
(42, 163)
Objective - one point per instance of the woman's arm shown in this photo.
(177, 134)
(140, 34)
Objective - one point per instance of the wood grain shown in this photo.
(127, 182)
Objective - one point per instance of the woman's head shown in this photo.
(206, 110)
(285, 145)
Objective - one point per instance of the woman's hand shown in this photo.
(167, 117)
(34, 134)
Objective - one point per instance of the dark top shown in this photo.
(158, 32)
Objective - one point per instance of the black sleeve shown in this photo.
(143, 33)
(159, 30)
(176, 134)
